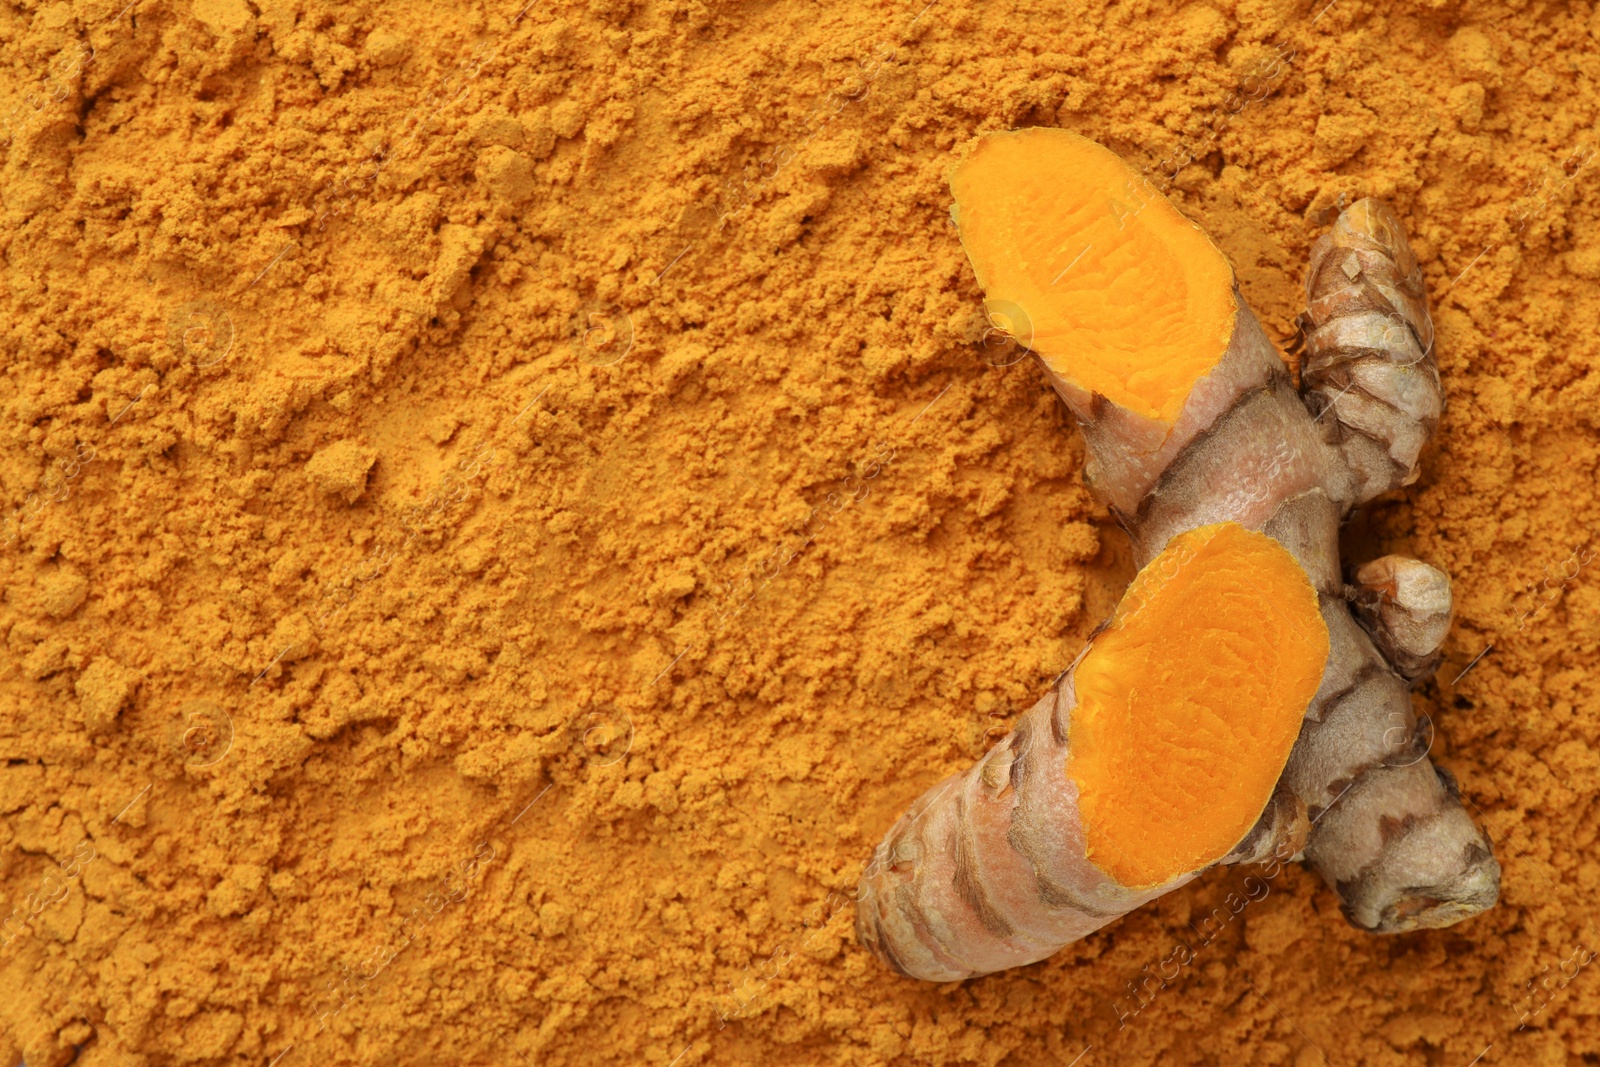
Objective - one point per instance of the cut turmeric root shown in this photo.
(1153, 758)
(1159, 752)
(1187, 706)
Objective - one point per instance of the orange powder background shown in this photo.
(433, 665)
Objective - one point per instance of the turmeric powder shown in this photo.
(202, 144)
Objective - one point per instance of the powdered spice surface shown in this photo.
(503, 506)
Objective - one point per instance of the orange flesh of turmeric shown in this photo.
(1087, 264)
(1190, 701)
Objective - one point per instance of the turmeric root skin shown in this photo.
(1406, 606)
(1421, 864)
(1369, 348)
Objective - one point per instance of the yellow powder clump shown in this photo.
(103, 690)
(63, 593)
(709, 525)
(342, 469)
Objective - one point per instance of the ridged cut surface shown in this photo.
(1097, 271)
(1191, 701)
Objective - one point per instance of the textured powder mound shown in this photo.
(103, 689)
(341, 469)
(709, 522)
(62, 593)
(1190, 701)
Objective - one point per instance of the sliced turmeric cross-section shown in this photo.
(1190, 701)
(1092, 268)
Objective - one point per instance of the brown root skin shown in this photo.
(1282, 831)
(1380, 823)
(1369, 372)
(1406, 606)
(1423, 865)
